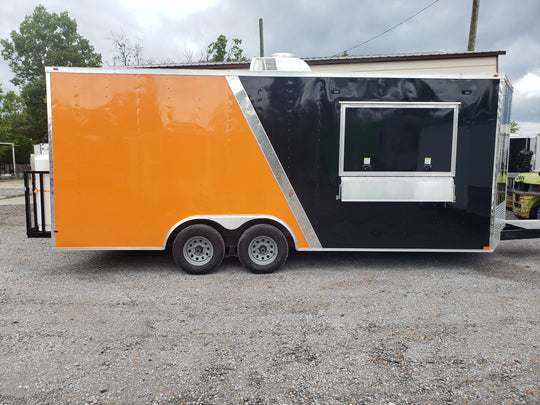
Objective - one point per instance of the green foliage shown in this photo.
(217, 49)
(235, 52)
(44, 39)
(221, 51)
(514, 127)
(34, 96)
(14, 128)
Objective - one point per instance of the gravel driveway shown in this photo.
(333, 328)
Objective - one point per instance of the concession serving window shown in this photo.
(398, 151)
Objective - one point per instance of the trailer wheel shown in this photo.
(262, 249)
(198, 249)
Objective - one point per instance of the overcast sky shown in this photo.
(170, 29)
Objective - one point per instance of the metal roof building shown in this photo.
(440, 62)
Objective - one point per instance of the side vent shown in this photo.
(263, 64)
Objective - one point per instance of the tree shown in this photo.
(14, 128)
(189, 55)
(514, 127)
(221, 51)
(44, 39)
(126, 52)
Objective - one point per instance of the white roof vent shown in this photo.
(279, 61)
(283, 55)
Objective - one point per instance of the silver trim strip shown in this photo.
(111, 248)
(50, 139)
(230, 222)
(274, 73)
(524, 223)
(397, 250)
(273, 161)
(364, 250)
(401, 104)
(396, 174)
(501, 152)
(397, 189)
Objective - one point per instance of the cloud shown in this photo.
(150, 15)
(526, 102)
(528, 129)
(528, 87)
(307, 28)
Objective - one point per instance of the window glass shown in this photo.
(389, 139)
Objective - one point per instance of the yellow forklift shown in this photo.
(526, 189)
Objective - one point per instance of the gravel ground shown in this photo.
(11, 188)
(333, 328)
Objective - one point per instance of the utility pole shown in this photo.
(261, 38)
(474, 24)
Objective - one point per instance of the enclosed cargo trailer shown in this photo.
(249, 163)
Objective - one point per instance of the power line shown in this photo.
(389, 29)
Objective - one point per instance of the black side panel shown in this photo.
(301, 117)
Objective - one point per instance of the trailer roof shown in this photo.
(163, 70)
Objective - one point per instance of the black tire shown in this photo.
(535, 213)
(263, 249)
(198, 249)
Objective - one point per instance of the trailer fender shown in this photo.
(229, 222)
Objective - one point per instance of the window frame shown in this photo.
(345, 105)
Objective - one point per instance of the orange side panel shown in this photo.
(135, 154)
